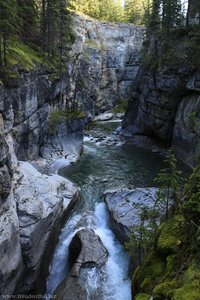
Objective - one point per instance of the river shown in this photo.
(106, 163)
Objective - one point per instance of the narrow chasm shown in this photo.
(107, 164)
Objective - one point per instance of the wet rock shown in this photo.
(125, 206)
(43, 202)
(88, 256)
(104, 117)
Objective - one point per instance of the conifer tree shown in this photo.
(170, 181)
(28, 14)
(9, 20)
(171, 14)
(134, 11)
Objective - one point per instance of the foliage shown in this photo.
(191, 204)
(190, 288)
(38, 30)
(171, 268)
(112, 10)
(108, 10)
(142, 236)
(134, 11)
(170, 182)
(164, 289)
(59, 116)
(172, 235)
(142, 296)
(121, 106)
(148, 274)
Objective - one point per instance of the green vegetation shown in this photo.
(142, 297)
(170, 269)
(121, 106)
(133, 11)
(59, 116)
(33, 33)
(169, 180)
(173, 33)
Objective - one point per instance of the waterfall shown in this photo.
(113, 281)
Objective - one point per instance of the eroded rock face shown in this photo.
(186, 132)
(104, 63)
(165, 107)
(11, 262)
(125, 207)
(5, 171)
(88, 256)
(43, 203)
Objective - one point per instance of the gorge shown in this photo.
(42, 121)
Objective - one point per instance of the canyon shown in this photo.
(34, 203)
(36, 140)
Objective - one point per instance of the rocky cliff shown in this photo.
(104, 63)
(37, 127)
(165, 108)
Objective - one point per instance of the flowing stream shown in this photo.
(106, 163)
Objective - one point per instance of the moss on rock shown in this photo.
(172, 235)
(59, 116)
(142, 296)
(164, 290)
(149, 274)
(190, 288)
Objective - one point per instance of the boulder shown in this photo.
(87, 256)
(43, 203)
(125, 206)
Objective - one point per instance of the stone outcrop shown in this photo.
(165, 107)
(87, 255)
(26, 110)
(43, 203)
(125, 207)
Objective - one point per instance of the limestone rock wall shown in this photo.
(104, 63)
(165, 107)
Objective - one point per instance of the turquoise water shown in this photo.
(106, 163)
(112, 166)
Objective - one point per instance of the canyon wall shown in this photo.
(165, 108)
(102, 66)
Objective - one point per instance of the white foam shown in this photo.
(59, 266)
(117, 285)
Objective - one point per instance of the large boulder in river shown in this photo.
(87, 256)
(125, 206)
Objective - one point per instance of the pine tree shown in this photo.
(170, 182)
(143, 235)
(134, 11)
(28, 14)
(171, 14)
(191, 203)
(9, 20)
